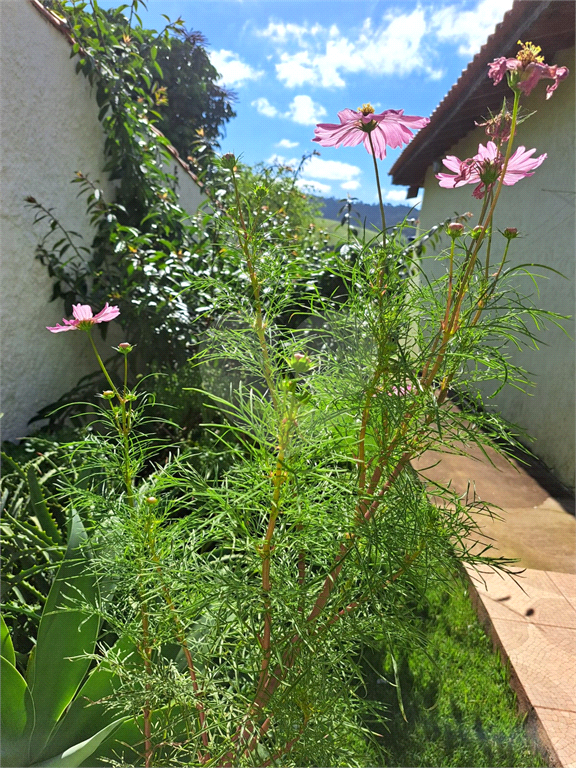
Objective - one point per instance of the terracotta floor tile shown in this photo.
(560, 729)
(542, 538)
(543, 660)
(566, 583)
(533, 597)
(502, 483)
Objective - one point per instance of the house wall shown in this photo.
(49, 130)
(542, 208)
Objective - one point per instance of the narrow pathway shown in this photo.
(531, 616)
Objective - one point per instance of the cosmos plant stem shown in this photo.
(382, 214)
(259, 320)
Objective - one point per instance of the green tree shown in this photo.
(196, 107)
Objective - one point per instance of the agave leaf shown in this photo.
(17, 716)
(124, 745)
(75, 756)
(88, 713)
(66, 631)
(7, 647)
(39, 509)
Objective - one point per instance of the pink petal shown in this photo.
(489, 152)
(106, 314)
(394, 134)
(379, 143)
(447, 181)
(82, 312)
(348, 116)
(452, 163)
(61, 328)
(333, 135)
(520, 165)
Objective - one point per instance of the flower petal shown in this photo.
(106, 314)
(61, 328)
(82, 311)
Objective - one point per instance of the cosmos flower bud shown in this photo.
(229, 161)
(108, 394)
(300, 363)
(151, 500)
(510, 233)
(454, 229)
(476, 232)
(125, 348)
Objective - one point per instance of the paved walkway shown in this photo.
(531, 616)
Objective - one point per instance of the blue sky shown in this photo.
(294, 63)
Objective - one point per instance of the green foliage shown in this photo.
(46, 714)
(146, 247)
(459, 708)
(255, 594)
(195, 108)
(147, 252)
(33, 535)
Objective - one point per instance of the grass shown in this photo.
(459, 707)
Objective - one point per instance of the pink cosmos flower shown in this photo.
(84, 319)
(391, 128)
(401, 391)
(485, 168)
(526, 70)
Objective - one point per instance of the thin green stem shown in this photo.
(259, 320)
(378, 186)
(103, 367)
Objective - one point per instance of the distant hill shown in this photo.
(371, 212)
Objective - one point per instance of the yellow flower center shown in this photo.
(528, 53)
(366, 109)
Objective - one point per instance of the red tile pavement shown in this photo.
(533, 623)
(558, 733)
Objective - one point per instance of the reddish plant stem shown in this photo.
(146, 711)
(288, 747)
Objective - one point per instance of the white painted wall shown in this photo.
(49, 130)
(542, 208)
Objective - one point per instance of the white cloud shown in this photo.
(232, 70)
(281, 160)
(301, 110)
(264, 107)
(396, 44)
(315, 187)
(325, 54)
(471, 27)
(280, 32)
(350, 185)
(304, 111)
(397, 196)
(334, 170)
(286, 143)
(295, 70)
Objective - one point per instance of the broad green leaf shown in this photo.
(85, 715)
(125, 745)
(66, 630)
(75, 756)
(17, 716)
(39, 509)
(7, 647)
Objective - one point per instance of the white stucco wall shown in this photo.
(49, 130)
(542, 208)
